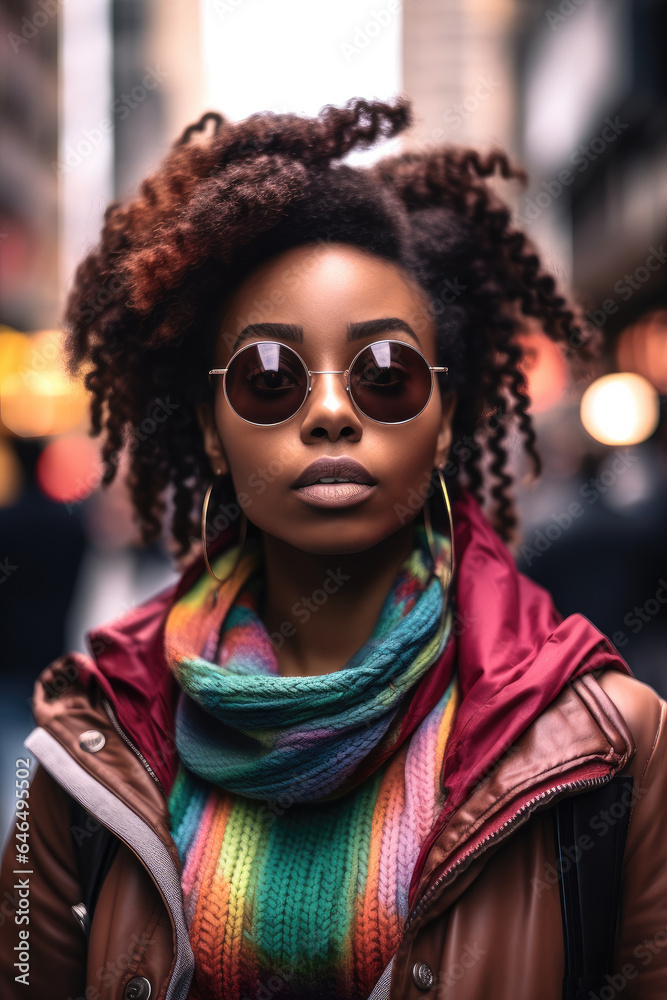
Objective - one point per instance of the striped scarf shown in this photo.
(300, 806)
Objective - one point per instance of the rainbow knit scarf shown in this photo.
(299, 807)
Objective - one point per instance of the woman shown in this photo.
(328, 760)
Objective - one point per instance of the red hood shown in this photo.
(512, 650)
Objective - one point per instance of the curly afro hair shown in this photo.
(143, 310)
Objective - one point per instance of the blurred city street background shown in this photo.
(94, 93)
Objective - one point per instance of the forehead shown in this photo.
(323, 287)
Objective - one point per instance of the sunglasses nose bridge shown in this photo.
(333, 406)
(333, 373)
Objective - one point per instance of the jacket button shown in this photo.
(92, 741)
(137, 989)
(423, 975)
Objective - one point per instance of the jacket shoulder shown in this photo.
(641, 707)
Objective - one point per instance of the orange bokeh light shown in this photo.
(642, 348)
(545, 370)
(37, 396)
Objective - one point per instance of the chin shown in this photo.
(335, 540)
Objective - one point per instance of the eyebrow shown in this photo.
(355, 331)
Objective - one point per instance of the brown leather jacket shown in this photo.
(487, 921)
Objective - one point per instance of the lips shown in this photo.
(334, 468)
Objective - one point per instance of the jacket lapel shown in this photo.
(579, 741)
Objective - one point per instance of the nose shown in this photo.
(329, 409)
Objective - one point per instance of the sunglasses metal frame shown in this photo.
(345, 371)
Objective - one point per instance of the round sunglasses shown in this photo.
(267, 382)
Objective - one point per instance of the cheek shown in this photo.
(413, 465)
(416, 442)
(256, 457)
(251, 462)
(410, 453)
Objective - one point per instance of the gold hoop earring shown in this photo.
(445, 580)
(242, 534)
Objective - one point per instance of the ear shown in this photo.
(444, 440)
(212, 443)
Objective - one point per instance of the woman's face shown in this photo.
(323, 289)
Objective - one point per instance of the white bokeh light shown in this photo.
(620, 409)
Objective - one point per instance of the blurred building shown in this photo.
(28, 184)
(591, 128)
(458, 68)
(592, 81)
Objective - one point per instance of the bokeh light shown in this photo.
(642, 348)
(69, 468)
(545, 370)
(36, 396)
(620, 409)
(12, 350)
(34, 404)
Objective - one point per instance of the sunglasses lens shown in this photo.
(390, 382)
(266, 383)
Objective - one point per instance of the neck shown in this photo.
(319, 609)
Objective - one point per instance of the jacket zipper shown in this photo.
(479, 848)
(114, 721)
